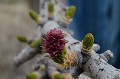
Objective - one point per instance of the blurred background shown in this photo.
(100, 17)
(14, 20)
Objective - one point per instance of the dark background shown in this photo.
(102, 19)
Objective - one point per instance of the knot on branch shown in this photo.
(107, 55)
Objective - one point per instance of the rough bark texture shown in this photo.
(94, 65)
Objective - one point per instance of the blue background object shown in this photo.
(102, 19)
